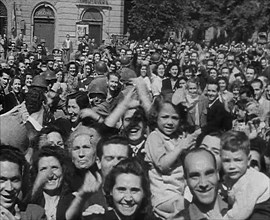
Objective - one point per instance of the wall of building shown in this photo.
(67, 14)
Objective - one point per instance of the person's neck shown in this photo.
(204, 208)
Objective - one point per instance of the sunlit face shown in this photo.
(113, 83)
(222, 85)
(16, 86)
(10, 184)
(234, 164)
(4, 80)
(73, 110)
(83, 152)
(250, 74)
(213, 73)
(174, 71)
(212, 144)
(135, 132)
(202, 177)
(127, 194)
(22, 67)
(51, 166)
(72, 69)
(112, 154)
(143, 71)
(220, 59)
(188, 73)
(212, 92)
(28, 80)
(168, 119)
(258, 91)
(193, 89)
(161, 70)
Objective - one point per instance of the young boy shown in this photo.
(248, 189)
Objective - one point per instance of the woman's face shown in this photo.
(73, 110)
(188, 74)
(174, 71)
(72, 69)
(193, 89)
(52, 169)
(28, 80)
(143, 71)
(222, 85)
(161, 70)
(87, 70)
(16, 86)
(213, 73)
(127, 193)
(97, 57)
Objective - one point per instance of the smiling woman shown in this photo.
(128, 192)
(50, 190)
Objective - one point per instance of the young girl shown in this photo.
(163, 147)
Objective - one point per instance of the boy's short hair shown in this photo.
(234, 141)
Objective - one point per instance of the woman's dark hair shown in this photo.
(81, 99)
(12, 81)
(224, 79)
(65, 161)
(170, 65)
(34, 99)
(73, 63)
(130, 166)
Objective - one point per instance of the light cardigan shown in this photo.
(251, 189)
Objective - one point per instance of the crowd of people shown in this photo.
(135, 130)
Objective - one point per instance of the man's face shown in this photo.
(234, 164)
(39, 49)
(202, 177)
(258, 91)
(112, 154)
(212, 92)
(4, 80)
(194, 56)
(225, 72)
(135, 131)
(250, 74)
(220, 59)
(212, 144)
(113, 83)
(28, 80)
(83, 152)
(210, 64)
(10, 183)
(230, 61)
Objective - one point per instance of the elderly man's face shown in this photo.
(202, 177)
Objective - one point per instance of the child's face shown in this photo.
(168, 120)
(234, 164)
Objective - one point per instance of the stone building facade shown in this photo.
(51, 20)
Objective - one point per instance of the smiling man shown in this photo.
(13, 164)
(202, 177)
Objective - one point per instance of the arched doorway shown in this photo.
(44, 25)
(3, 19)
(94, 19)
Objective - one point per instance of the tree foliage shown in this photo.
(239, 18)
